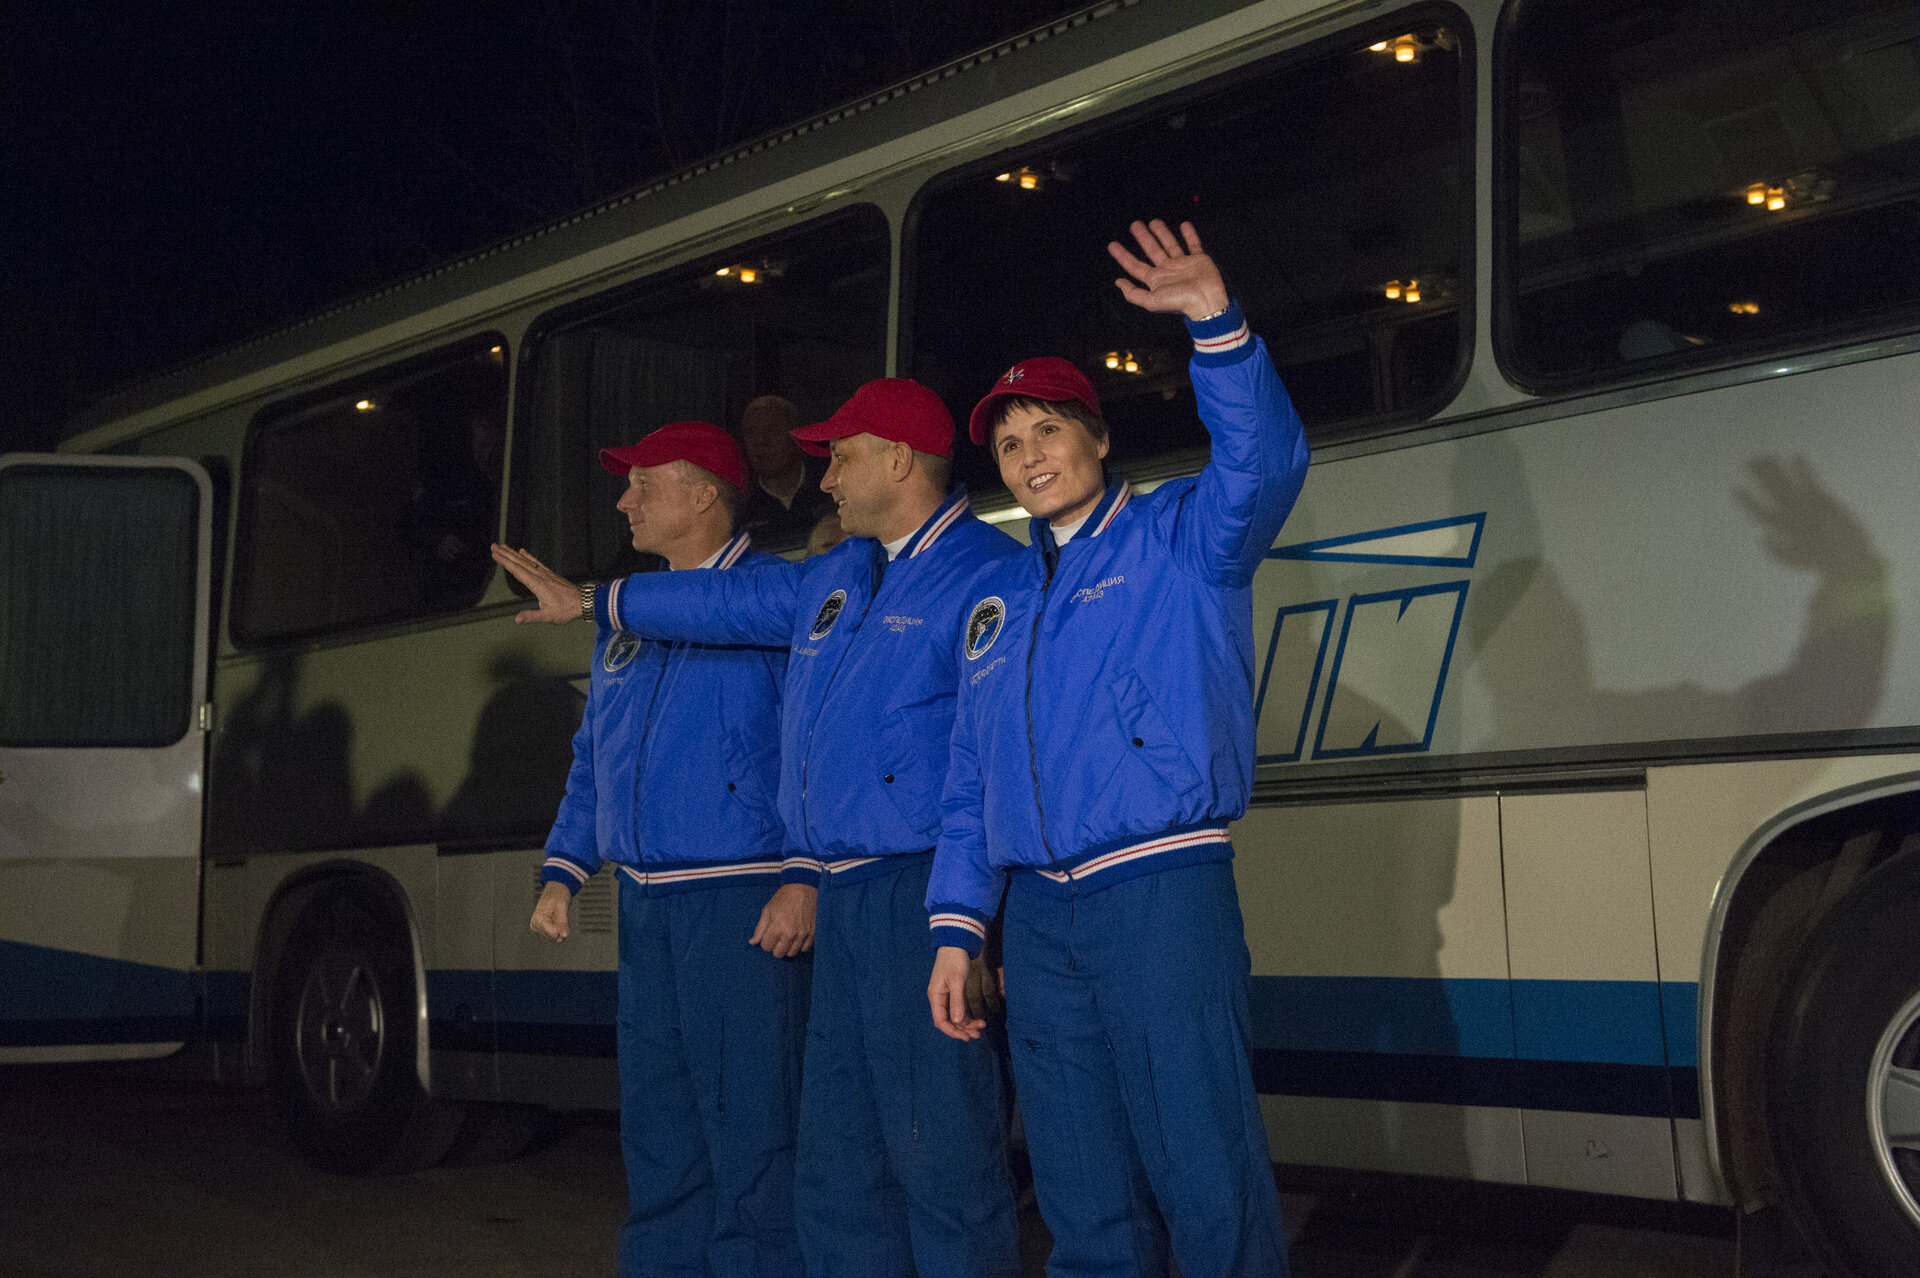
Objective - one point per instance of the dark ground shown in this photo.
(121, 1173)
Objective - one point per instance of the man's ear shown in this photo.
(704, 495)
(902, 460)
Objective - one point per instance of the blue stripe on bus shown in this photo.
(1616, 1022)
(1607, 1022)
(1680, 1007)
(1382, 1014)
(62, 996)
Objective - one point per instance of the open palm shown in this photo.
(1173, 277)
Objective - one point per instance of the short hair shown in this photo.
(732, 500)
(1071, 409)
(779, 404)
(939, 469)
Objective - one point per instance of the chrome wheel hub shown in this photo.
(339, 1031)
(1893, 1106)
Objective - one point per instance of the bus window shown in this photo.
(1333, 186)
(801, 315)
(75, 539)
(373, 500)
(1699, 182)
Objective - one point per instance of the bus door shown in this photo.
(104, 586)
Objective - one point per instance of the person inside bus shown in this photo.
(674, 773)
(455, 502)
(902, 1162)
(1102, 742)
(785, 499)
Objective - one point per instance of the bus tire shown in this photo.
(1850, 1014)
(342, 1033)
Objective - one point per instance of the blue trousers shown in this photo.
(1127, 1018)
(903, 1131)
(709, 1039)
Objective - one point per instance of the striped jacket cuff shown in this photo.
(609, 602)
(560, 869)
(1224, 339)
(800, 869)
(958, 926)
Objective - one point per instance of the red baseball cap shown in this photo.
(702, 443)
(897, 408)
(1045, 377)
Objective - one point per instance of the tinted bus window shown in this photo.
(375, 500)
(801, 316)
(1692, 182)
(97, 601)
(1332, 187)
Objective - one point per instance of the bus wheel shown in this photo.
(1843, 1091)
(341, 1040)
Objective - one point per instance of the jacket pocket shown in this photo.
(912, 763)
(1148, 737)
(743, 780)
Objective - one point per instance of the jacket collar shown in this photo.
(951, 512)
(1112, 502)
(731, 552)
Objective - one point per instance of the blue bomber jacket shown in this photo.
(675, 765)
(1105, 719)
(868, 705)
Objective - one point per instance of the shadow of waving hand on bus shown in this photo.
(1534, 654)
(1839, 671)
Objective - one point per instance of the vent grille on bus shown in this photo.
(592, 904)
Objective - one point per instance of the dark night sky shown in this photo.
(174, 177)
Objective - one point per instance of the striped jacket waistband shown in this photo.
(687, 876)
(1102, 861)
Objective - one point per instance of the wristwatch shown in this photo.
(586, 601)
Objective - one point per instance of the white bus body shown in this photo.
(1588, 685)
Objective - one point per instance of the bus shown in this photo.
(1585, 844)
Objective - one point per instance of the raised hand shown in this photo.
(559, 599)
(1172, 278)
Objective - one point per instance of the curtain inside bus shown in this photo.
(96, 606)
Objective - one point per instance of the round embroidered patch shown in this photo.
(984, 624)
(622, 646)
(828, 614)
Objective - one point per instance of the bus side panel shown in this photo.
(1380, 991)
(1586, 990)
(1734, 563)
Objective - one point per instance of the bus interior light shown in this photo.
(1113, 359)
(748, 275)
(1405, 49)
(1132, 365)
(1413, 295)
(366, 405)
(1378, 48)
(725, 270)
(1744, 308)
(1004, 177)
(1393, 290)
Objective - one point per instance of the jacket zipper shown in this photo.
(646, 739)
(1052, 562)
